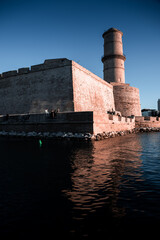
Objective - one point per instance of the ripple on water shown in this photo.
(81, 189)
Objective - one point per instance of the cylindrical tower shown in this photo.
(113, 59)
(127, 100)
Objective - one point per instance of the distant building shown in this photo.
(158, 103)
(150, 112)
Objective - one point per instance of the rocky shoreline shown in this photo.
(76, 136)
(104, 135)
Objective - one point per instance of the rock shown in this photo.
(53, 134)
(98, 137)
(46, 134)
(59, 134)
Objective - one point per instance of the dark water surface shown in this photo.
(107, 189)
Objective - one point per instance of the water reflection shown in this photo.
(99, 172)
(80, 190)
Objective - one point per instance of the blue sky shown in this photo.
(32, 31)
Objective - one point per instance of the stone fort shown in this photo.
(64, 84)
(86, 103)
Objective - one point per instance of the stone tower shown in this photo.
(113, 59)
(126, 98)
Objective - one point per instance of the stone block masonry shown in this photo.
(57, 83)
(75, 122)
(127, 99)
(147, 122)
(113, 59)
(43, 87)
(91, 93)
(108, 123)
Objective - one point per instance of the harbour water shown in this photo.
(80, 190)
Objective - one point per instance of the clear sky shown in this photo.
(34, 30)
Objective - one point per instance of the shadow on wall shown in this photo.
(36, 106)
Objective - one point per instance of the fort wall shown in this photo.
(44, 86)
(73, 122)
(107, 123)
(91, 93)
(147, 122)
(58, 83)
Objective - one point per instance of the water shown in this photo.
(74, 190)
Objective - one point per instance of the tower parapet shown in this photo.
(113, 59)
